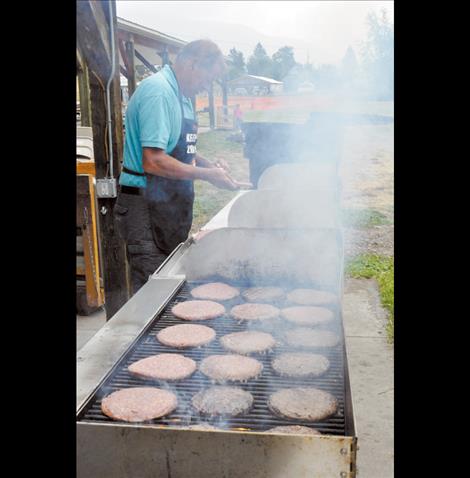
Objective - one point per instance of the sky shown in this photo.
(319, 31)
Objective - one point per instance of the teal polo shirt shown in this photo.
(153, 119)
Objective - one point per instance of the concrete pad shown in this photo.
(88, 325)
(363, 307)
(370, 360)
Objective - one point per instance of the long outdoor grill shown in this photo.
(242, 257)
(285, 234)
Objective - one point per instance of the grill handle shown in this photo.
(162, 265)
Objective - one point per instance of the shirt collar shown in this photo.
(171, 78)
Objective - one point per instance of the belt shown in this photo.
(131, 190)
(134, 173)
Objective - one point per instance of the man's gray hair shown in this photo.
(206, 52)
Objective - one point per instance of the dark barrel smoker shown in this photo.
(318, 141)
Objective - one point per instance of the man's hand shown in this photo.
(218, 163)
(218, 177)
(221, 163)
(157, 162)
(243, 185)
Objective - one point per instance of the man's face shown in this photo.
(200, 77)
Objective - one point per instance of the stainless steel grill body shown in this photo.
(290, 177)
(263, 256)
(269, 208)
(165, 447)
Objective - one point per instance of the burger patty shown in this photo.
(186, 335)
(263, 294)
(294, 430)
(222, 400)
(300, 365)
(198, 310)
(248, 342)
(138, 404)
(254, 312)
(230, 367)
(303, 403)
(215, 291)
(303, 337)
(311, 297)
(307, 315)
(164, 367)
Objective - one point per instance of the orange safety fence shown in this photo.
(260, 103)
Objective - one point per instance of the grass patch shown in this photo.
(209, 200)
(363, 218)
(203, 119)
(380, 268)
(215, 143)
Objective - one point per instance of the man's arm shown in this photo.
(156, 161)
(203, 162)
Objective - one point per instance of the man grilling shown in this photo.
(154, 208)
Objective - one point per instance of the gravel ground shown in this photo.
(367, 183)
(374, 240)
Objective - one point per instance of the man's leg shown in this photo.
(171, 224)
(133, 223)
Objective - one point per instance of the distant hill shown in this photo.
(243, 38)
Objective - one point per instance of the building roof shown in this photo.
(131, 27)
(261, 79)
(147, 42)
(268, 80)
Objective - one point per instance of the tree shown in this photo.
(283, 62)
(259, 62)
(348, 71)
(377, 55)
(236, 64)
(349, 65)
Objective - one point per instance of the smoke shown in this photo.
(311, 178)
(288, 232)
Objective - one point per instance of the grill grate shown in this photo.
(260, 417)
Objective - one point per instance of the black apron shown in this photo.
(171, 201)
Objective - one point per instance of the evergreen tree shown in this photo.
(259, 63)
(377, 55)
(283, 62)
(236, 64)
